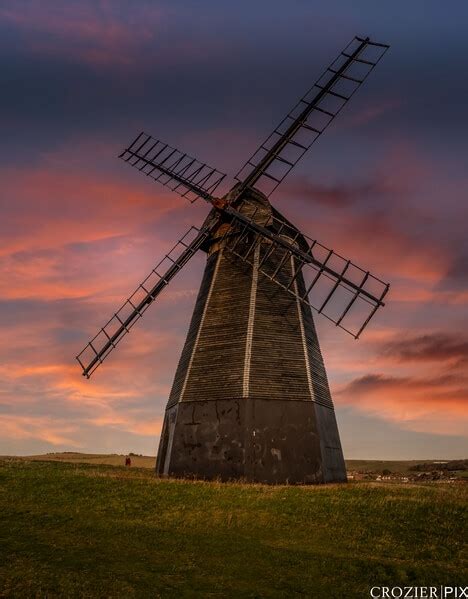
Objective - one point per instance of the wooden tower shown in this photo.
(250, 398)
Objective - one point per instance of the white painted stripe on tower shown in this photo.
(304, 341)
(250, 323)
(200, 326)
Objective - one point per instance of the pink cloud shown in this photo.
(380, 224)
(75, 243)
(94, 33)
(50, 430)
(369, 113)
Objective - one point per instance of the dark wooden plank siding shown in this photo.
(278, 368)
(218, 361)
(317, 368)
(184, 360)
(281, 426)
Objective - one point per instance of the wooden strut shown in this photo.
(227, 213)
(225, 207)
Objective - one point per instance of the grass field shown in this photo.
(81, 530)
(400, 466)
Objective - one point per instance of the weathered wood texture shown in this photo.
(250, 397)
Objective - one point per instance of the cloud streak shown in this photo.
(79, 230)
(434, 347)
(94, 33)
(437, 405)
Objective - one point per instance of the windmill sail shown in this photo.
(133, 308)
(250, 397)
(337, 288)
(180, 172)
(309, 118)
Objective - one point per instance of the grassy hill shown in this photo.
(401, 466)
(111, 459)
(143, 461)
(82, 530)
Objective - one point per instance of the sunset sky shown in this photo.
(386, 186)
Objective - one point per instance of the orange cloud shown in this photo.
(56, 208)
(66, 236)
(74, 244)
(436, 405)
(46, 429)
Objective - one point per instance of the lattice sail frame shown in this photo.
(193, 179)
(343, 292)
(182, 173)
(139, 301)
(309, 118)
(335, 287)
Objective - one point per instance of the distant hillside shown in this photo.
(411, 469)
(111, 459)
(377, 467)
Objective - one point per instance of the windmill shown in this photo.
(250, 397)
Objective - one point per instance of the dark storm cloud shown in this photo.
(432, 347)
(75, 71)
(456, 278)
(380, 382)
(337, 196)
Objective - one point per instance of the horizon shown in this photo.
(439, 459)
(385, 186)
